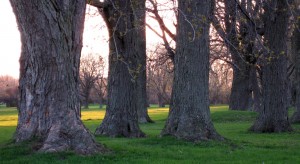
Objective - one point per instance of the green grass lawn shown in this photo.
(241, 147)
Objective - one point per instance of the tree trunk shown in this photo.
(274, 115)
(161, 101)
(51, 35)
(256, 90)
(86, 102)
(189, 116)
(296, 58)
(142, 110)
(240, 91)
(101, 101)
(124, 20)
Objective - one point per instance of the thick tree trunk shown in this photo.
(124, 19)
(273, 117)
(240, 91)
(51, 35)
(296, 58)
(189, 116)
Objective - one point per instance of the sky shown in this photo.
(95, 37)
(10, 45)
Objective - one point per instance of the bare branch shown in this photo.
(96, 3)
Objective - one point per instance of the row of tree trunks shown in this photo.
(189, 116)
(51, 35)
(273, 117)
(125, 20)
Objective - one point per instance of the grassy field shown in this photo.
(241, 147)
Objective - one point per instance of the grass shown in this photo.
(241, 147)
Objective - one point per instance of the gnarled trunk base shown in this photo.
(189, 116)
(51, 35)
(191, 128)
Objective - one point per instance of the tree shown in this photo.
(101, 87)
(9, 91)
(296, 59)
(240, 92)
(51, 35)
(125, 20)
(220, 77)
(91, 69)
(160, 76)
(237, 23)
(274, 114)
(189, 116)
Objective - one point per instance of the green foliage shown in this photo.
(241, 146)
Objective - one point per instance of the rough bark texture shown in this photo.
(240, 90)
(189, 116)
(125, 22)
(296, 58)
(51, 35)
(274, 115)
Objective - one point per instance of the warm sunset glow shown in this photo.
(95, 36)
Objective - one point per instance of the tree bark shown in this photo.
(51, 35)
(189, 116)
(125, 22)
(296, 58)
(274, 115)
(142, 109)
(240, 89)
(255, 87)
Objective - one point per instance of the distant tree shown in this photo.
(91, 70)
(238, 24)
(220, 79)
(101, 89)
(189, 116)
(51, 36)
(160, 76)
(9, 91)
(274, 114)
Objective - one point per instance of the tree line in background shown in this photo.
(93, 82)
(253, 37)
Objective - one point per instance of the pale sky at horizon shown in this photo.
(9, 41)
(93, 42)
